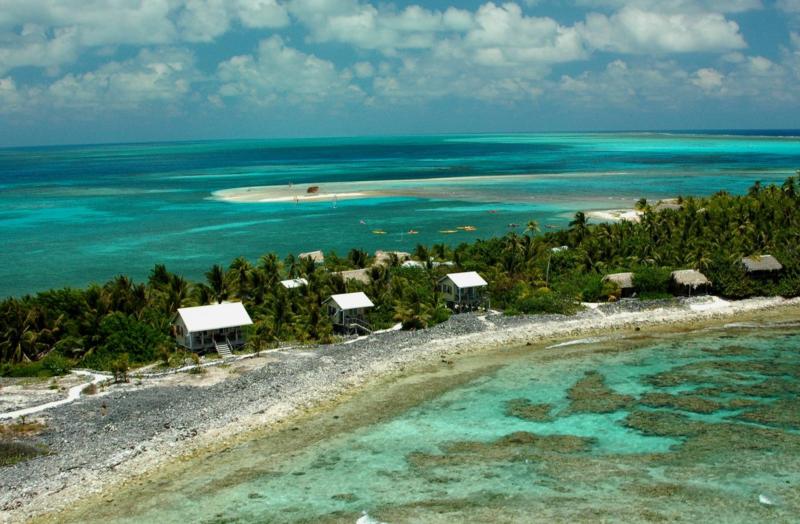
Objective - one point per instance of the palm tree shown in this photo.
(358, 257)
(217, 283)
(239, 273)
(532, 227)
(579, 226)
(291, 266)
(271, 267)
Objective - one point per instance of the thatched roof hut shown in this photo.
(690, 278)
(317, 256)
(761, 263)
(383, 257)
(622, 280)
(362, 275)
(665, 205)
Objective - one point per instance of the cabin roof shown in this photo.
(465, 280)
(362, 275)
(690, 277)
(383, 257)
(623, 280)
(214, 316)
(347, 301)
(761, 263)
(294, 283)
(317, 256)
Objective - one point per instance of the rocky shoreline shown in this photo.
(130, 429)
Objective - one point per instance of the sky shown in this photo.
(89, 71)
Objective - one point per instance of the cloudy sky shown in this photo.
(77, 71)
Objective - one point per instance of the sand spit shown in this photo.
(99, 442)
(471, 188)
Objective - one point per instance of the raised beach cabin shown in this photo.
(624, 282)
(317, 256)
(347, 311)
(294, 283)
(463, 291)
(762, 266)
(214, 327)
(689, 282)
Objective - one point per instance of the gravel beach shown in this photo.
(130, 429)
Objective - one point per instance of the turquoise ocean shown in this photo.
(71, 215)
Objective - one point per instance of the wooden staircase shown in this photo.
(223, 349)
(357, 325)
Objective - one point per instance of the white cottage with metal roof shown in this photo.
(347, 310)
(463, 291)
(216, 326)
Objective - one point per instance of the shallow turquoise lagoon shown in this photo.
(76, 214)
(679, 427)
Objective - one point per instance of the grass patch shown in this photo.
(21, 428)
(14, 452)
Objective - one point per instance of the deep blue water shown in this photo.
(70, 215)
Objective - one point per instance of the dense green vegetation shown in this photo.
(123, 323)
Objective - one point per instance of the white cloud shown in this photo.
(368, 27)
(620, 84)
(31, 46)
(11, 99)
(50, 33)
(363, 69)
(503, 35)
(665, 84)
(680, 6)
(790, 6)
(162, 76)
(205, 20)
(633, 30)
(277, 71)
(707, 79)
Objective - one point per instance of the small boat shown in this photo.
(412, 232)
(362, 222)
(378, 232)
(551, 226)
(513, 225)
(467, 228)
(448, 231)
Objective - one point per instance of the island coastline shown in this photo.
(290, 383)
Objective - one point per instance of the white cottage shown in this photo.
(217, 326)
(462, 291)
(347, 310)
(294, 283)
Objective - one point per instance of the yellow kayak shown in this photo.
(448, 231)
(378, 232)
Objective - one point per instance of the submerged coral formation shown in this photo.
(525, 409)
(590, 394)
